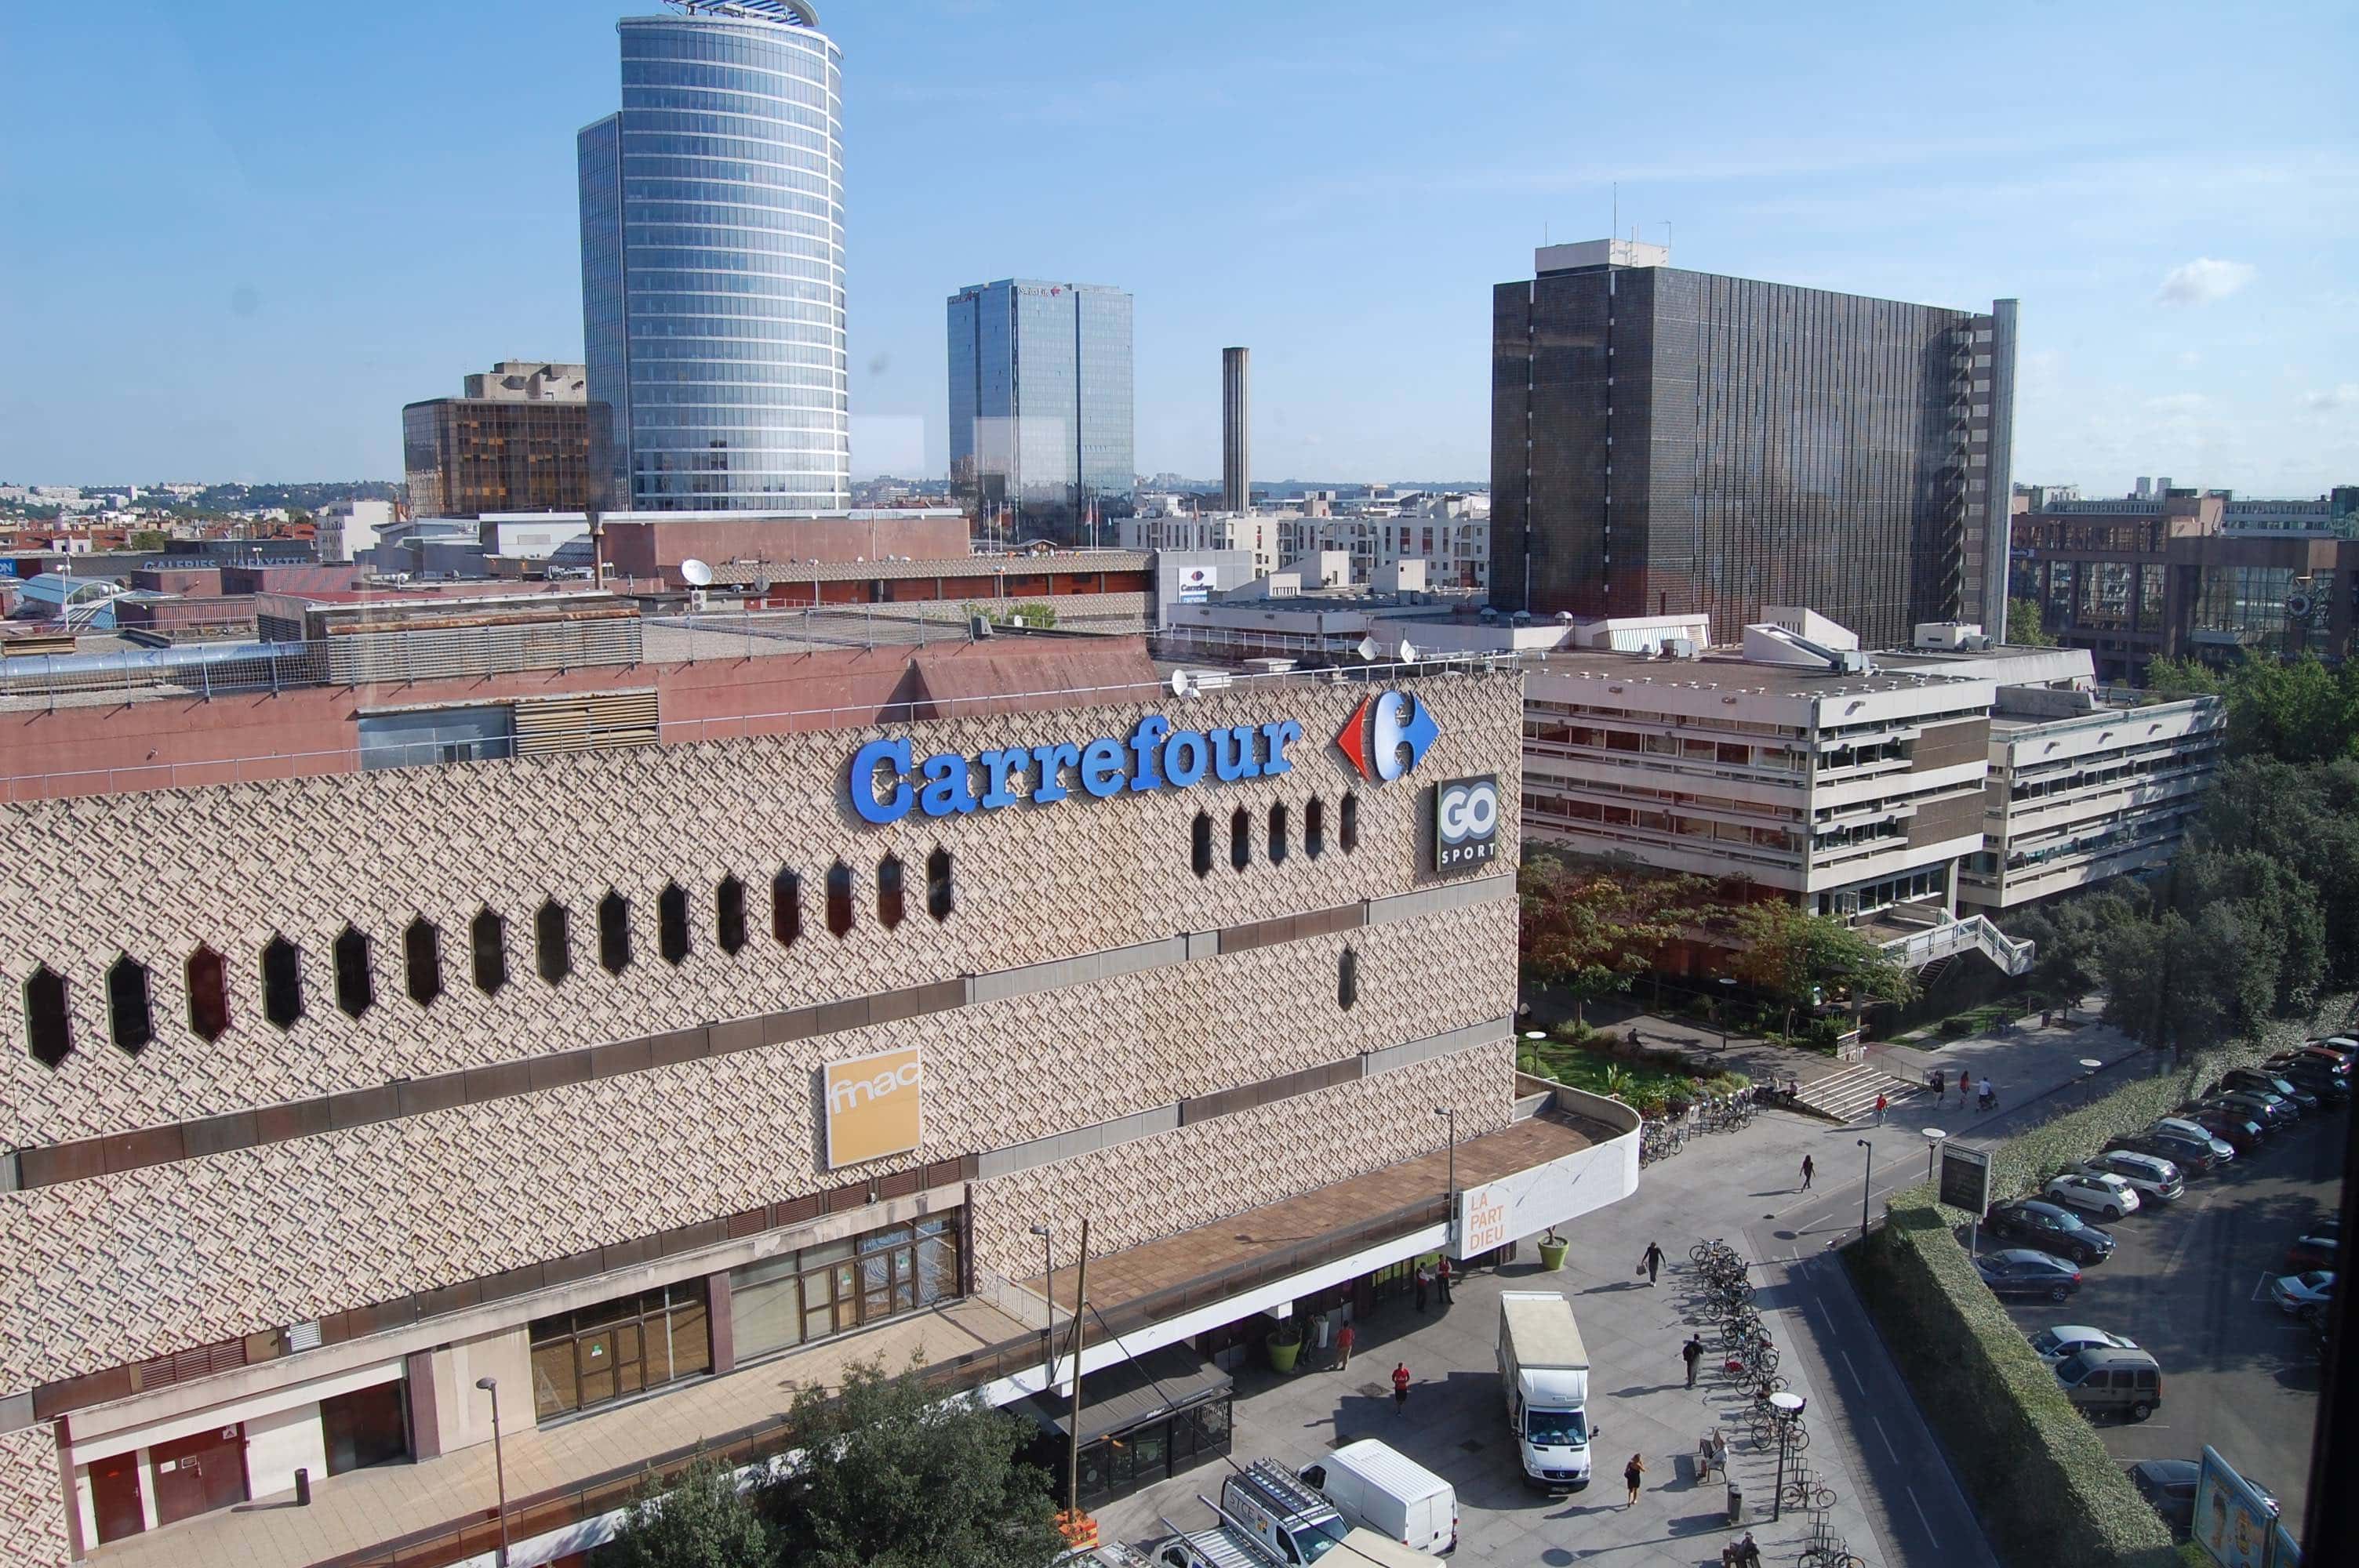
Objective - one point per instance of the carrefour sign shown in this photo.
(1386, 737)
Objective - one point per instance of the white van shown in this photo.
(1386, 1491)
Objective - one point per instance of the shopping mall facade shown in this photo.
(650, 1081)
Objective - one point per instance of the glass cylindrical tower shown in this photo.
(713, 262)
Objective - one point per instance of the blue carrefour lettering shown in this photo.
(1146, 746)
(1102, 768)
(894, 805)
(1233, 754)
(997, 767)
(947, 786)
(1051, 758)
(1280, 733)
(1185, 757)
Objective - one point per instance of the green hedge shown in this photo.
(2045, 1488)
(2040, 1480)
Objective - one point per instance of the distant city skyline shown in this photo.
(2184, 280)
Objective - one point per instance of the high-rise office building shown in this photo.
(519, 440)
(712, 262)
(1041, 393)
(1236, 447)
(1667, 441)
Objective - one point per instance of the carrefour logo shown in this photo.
(1387, 735)
(1465, 823)
(887, 780)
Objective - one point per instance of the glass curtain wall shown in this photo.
(794, 1298)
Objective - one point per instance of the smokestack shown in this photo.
(1236, 454)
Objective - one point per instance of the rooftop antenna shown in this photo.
(1618, 209)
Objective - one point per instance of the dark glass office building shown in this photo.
(713, 262)
(1041, 393)
(1666, 441)
(467, 456)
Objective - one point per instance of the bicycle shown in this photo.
(1807, 1491)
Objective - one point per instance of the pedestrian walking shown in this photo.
(1989, 1097)
(1880, 1103)
(1691, 1353)
(1941, 1082)
(1400, 1387)
(1344, 1343)
(1634, 1473)
(1809, 1168)
(1651, 1263)
(1424, 1284)
(1441, 1278)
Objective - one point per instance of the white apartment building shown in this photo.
(1256, 532)
(1452, 534)
(348, 529)
(2081, 789)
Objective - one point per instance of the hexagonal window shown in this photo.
(1348, 831)
(1314, 828)
(1278, 835)
(208, 980)
(421, 953)
(613, 932)
(785, 907)
(839, 898)
(552, 940)
(49, 1028)
(487, 936)
(1347, 979)
(671, 923)
(282, 982)
(939, 897)
(889, 901)
(1200, 844)
(129, 1019)
(1241, 839)
(729, 914)
(355, 985)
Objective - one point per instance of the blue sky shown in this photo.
(240, 236)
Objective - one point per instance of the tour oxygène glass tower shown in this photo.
(1667, 442)
(1041, 393)
(712, 262)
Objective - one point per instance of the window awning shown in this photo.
(1122, 1397)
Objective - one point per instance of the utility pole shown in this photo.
(1073, 1444)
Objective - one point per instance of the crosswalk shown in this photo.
(1850, 1094)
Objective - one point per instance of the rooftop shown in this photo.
(1730, 673)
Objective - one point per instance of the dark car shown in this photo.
(2021, 1272)
(2331, 1086)
(2334, 1062)
(2272, 1111)
(2193, 1159)
(2252, 1080)
(2312, 1251)
(2052, 1229)
(2242, 1135)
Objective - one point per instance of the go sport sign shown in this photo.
(1466, 823)
(1387, 735)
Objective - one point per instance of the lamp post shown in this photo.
(1728, 989)
(499, 1463)
(1049, 1319)
(1785, 1410)
(1867, 1180)
(1933, 1136)
(1450, 1220)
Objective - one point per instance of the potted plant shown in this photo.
(1285, 1343)
(1552, 1250)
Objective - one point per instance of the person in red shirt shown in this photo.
(1400, 1387)
(1344, 1343)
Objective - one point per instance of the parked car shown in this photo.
(2169, 1487)
(2311, 1252)
(2152, 1177)
(2252, 1080)
(2272, 1111)
(2179, 1126)
(2343, 1045)
(2094, 1190)
(2230, 1127)
(2318, 1056)
(2050, 1228)
(2330, 1086)
(2020, 1271)
(2101, 1380)
(2303, 1295)
(2052, 1344)
(2194, 1156)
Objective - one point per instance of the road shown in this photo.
(2237, 1374)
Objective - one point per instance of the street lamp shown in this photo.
(1049, 1293)
(1728, 989)
(1867, 1180)
(1933, 1136)
(1451, 1113)
(499, 1463)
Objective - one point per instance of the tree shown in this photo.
(1799, 959)
(909, 1481)
(149, 539)
(1592, 933)
(704, 1519)
(2025, 628)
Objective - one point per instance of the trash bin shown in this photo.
(1736, 1503)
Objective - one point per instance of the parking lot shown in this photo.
(2183, 1282)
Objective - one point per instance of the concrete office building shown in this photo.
(1040, 395)
(1259, 534)
(1665, 442)
(638, 1068)
(713, 262)
(348, 530)
(1236, 430)
(518, 439)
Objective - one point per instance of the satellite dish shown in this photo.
(1178, 683)
(1368, 649)
(1407, 653)
(695, 573)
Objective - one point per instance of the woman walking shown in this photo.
(1632, 1474)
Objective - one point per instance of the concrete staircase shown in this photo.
(1849, 1095)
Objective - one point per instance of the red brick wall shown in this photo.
(655, 549)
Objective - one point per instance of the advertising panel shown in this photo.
(1466, 823)
(1965, 1177)
(2234, 1524)
(874, 1106)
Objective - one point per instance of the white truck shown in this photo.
(1544, 1372)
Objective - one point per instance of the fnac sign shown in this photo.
(874, 1106)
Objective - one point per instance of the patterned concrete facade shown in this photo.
(113, 1268)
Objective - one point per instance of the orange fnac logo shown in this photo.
(874, 1106)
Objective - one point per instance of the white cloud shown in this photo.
(2344, 396)
(2179, 403)
(2204, 280)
